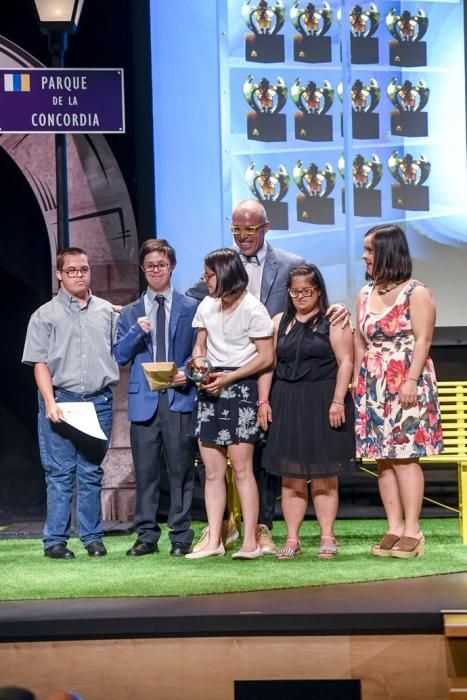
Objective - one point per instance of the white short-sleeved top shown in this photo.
(230, 335)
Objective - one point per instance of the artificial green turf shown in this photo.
(26, 574)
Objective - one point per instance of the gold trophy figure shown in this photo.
(410, 174)
(270, 187)
(314, 206)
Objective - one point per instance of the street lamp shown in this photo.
(57, 19)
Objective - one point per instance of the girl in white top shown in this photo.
(235, 334)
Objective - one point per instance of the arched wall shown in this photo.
(102, 222)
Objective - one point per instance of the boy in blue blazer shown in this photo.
(157, 327)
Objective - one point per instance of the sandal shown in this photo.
(409, 547)
(289, 552)
(384, 547)
(327, 551)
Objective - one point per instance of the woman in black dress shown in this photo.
(309, 409)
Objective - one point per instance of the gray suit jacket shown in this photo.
(274, 281)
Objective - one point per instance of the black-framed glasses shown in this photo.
(247, 230)
(75, 271)
(305, 292)
(155, 267)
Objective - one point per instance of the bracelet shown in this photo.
(410, 379)
(262, 402)
(341, 403)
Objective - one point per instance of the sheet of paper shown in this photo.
(82, 416)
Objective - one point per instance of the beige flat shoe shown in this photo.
(203, 553)
(241, 554)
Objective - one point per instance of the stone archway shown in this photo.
(102, 222)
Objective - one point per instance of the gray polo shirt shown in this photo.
(75, 343)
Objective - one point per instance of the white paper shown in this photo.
(82, 416)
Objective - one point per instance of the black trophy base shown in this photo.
(406, 53)
(264, 48)
(365, 125)
(266, 127)
(411, 197)
(312, 49)
(315, 210)
(277, 213)
(365, 202)
(364, 49)
(313, 127)
(409, 123)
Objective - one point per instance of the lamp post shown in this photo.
(57, 19)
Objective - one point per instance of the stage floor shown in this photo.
(407, 606)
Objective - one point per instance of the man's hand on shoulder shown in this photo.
(339, 313)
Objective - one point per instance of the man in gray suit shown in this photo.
(267, 269)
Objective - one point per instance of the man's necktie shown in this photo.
(160, 329)
(253, 259)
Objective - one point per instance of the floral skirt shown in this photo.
(228, 418)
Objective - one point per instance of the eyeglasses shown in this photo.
(207, 275)
(158, 267)
(248, 230)
(75, 271)
(305, 292)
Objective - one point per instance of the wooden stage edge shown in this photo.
(388, 634)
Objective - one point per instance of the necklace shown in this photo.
(387, 288)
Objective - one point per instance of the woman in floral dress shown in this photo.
(235, 335)
(397, 410)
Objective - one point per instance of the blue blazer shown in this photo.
(273, 283)
(135, 346)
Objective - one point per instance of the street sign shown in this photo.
(62, 100)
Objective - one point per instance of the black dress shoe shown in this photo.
(179, 549)
(139, 549)
(58, 551)
(96, 549)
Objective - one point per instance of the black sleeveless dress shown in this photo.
(300, 442)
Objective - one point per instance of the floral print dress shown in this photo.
(385, 430)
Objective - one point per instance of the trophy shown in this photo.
(365, 98)
(265, 123)
(410, 174)
(310, 45)
(409, 99)
(264, 44)
(363, 24)
(270, 188)
(312, 123)
(407, 49)
(366, 175)
(198, 370)
(314, 206)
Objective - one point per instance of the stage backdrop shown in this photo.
(287, 102)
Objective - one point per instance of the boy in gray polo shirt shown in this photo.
(69, 344)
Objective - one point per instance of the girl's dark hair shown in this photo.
(392, 261)
(316, 280)
(231, 276)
